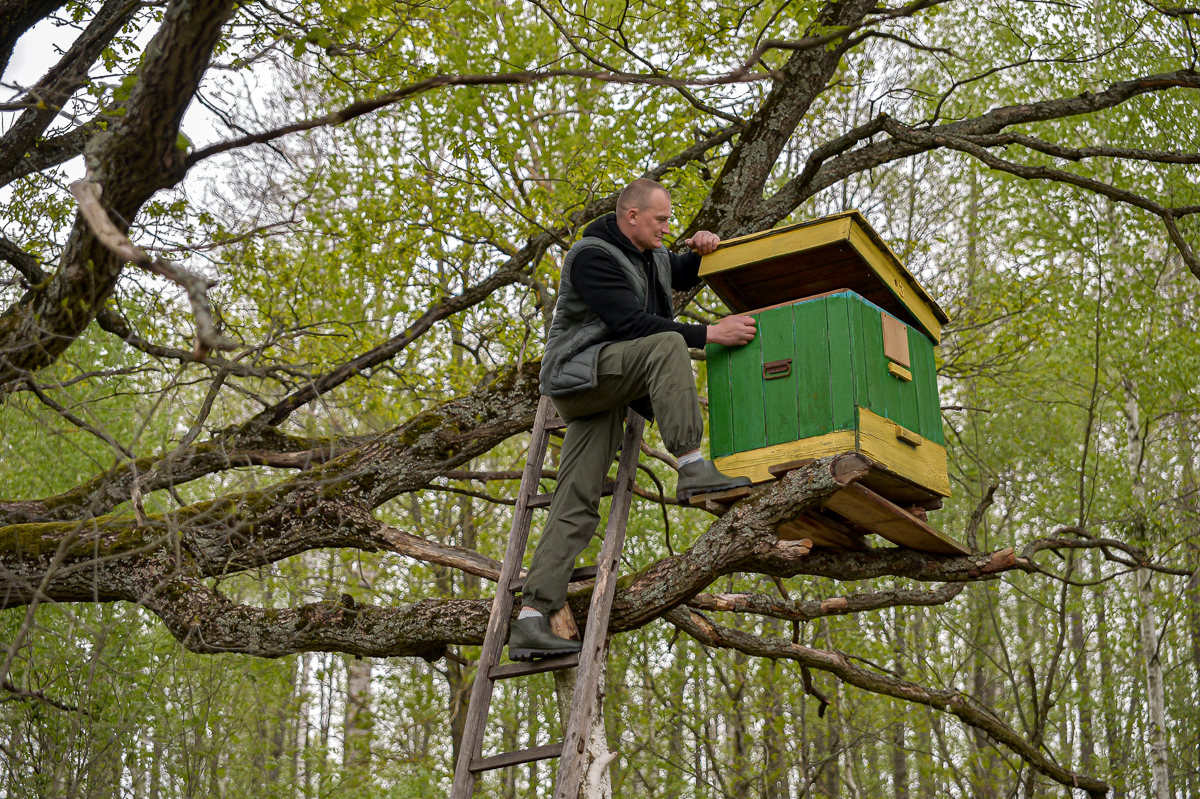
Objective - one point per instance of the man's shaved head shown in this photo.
(638, 195)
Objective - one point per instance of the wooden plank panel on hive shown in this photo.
(780, 389)
(813, 378)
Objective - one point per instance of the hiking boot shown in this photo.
(530, 638)
(702, 477)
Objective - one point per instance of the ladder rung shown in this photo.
(516, 758)
(555, 424)
(534, 666)
(582, 573)
(543, 500)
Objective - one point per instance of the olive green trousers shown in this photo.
(657, 366)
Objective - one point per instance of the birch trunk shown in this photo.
(1147, 626)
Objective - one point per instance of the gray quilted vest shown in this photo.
(577, 334)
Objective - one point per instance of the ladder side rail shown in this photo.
(493, 642)
(591, 659)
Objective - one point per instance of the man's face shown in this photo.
(648, 225)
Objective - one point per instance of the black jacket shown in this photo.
(602, 284)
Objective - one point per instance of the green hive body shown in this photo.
(816, 380)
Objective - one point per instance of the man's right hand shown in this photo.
(732, 331)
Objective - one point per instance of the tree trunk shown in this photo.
(987, 769)
(596, 783)
(1087, 745)
(925, 775)
(775, 739)
(829, 745)
(155, 763)
(899, 751)
(1155, 695)
(1147, 627)
(356, 753)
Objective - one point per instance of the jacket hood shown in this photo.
(606, 228)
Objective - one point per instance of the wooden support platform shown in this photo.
(868, 510)
(823, 532)
(877, 501)
(719, 501)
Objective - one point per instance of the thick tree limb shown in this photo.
(328, 505)
(22, 261)
(204, 621)
(18, 16)
(136, 156)
(960, 704)
(70, 73)
(47, 153)
(732, 206)
(233, 450)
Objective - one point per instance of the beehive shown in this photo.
(843, 360)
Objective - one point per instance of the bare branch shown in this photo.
(1137, 558)
(524, 78)
(71, 72)
(967, 145)
(39, 696)
(208, 337)
(75, 420)
(840, 33)
(111, 321)
(48, 153)
(22, 261)
(960, 704)
(807, 610)
(1081, 153)
(796, 191)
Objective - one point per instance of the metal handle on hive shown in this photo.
(776, 369)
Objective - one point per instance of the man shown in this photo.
(613, 344)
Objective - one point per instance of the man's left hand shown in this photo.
(703, 242)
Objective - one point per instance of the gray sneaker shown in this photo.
(702, 477)
(531, 638)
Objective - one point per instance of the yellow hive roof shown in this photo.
(835, 252)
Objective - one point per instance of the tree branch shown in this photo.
(796, 190)
(968, 709)
(48, 153)
(23, 262)
(71, 72)
(524, 78)
(807, 610)
(208, 337)
(136, 155)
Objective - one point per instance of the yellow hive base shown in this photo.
(913, 458)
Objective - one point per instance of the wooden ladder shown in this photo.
(590, 660)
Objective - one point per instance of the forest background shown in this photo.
(249, 511)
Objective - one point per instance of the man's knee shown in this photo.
(667, 345)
